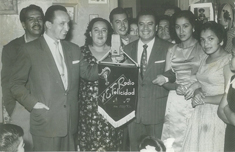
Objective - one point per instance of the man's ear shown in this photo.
(48, 24)
(156, 27)
(23, 25)
(90, 34)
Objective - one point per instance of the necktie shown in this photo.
(59, 57)
(61, 64)
(143, 61)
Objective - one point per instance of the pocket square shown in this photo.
(160, 61)
(76, 61)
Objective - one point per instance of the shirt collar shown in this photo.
(25, 39)
(49, 39)
(150, 43)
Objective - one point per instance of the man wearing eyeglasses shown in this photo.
(31, 18)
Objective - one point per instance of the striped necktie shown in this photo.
(143, 61)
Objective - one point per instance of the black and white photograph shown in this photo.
(117, 75)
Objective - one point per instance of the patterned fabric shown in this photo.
(206, 130)
(230, 40)
(94, 132)
(143, 61)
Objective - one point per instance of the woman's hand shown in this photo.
(160, 80)
(181, 89)
(190, 91)
(198, 98)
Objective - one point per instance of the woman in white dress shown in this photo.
(206, 130)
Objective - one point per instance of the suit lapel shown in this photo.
(153, 56)
(134, 51)
(47, 57)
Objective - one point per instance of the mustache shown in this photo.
(37, 25)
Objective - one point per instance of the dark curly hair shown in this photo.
(9, 137)
(151, 141)
(215, 28)
(24, 11)
(192, 20)
(88, 40)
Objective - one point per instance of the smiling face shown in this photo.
(59, 28)
(33, 24)
(147, 28)
(120, 24)
(163, 30)
(99, 33)
(183, 28)
(209, 42)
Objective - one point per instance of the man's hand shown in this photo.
(40, 105)
(160, 80)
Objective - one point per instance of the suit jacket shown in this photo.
(151, 98)
(9, 54)
(35, 64)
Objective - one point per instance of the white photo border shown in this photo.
(97, 1)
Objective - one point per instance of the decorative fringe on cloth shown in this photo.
(113, 122)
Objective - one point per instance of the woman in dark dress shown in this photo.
(94, 132)
(226, 110)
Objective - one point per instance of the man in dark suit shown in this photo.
(31, 18)
(52, 67)
(150, 53)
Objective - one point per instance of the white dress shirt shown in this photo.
(141, 48)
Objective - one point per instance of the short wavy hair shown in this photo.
(215, 28)
(25, 10)
(192, 20)
(50, 12)
(88, 40)
(9, 137)
(117, 10)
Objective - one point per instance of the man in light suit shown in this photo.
(151, 98)
(52, 67)
(31, 18)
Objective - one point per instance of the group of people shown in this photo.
(50, 85)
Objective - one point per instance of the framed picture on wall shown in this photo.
(8, 7)
(72, 9)
(203, 11)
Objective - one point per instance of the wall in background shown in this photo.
(130, 4)
(11, 27)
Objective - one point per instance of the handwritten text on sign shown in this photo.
(117, 88)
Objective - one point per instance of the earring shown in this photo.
(221, 43)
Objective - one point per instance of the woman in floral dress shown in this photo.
(94, 132)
